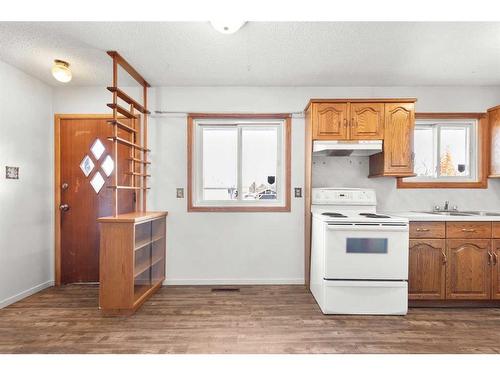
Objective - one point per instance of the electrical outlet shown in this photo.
(180, 192)
(12, 173)
(298, 192)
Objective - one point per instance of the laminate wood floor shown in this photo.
(258, 319)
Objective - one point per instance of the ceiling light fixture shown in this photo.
(227, 27)
(61, 71)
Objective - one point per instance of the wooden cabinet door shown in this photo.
(330, 121)
(468, 269)
(495, 274)
(494, 122)
(398, 139)
(426, 277)
(367, 121)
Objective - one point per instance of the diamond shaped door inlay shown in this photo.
(87, 165)
(97, 182)
(108, 165)
(97, 149)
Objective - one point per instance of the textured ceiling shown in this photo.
(262, 53)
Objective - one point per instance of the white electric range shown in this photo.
(359, 259)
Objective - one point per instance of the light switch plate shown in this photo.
(298, 192)
(180, 192)
(12, 173)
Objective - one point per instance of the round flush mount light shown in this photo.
(61, 71)
(227, 27)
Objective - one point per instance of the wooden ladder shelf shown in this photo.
(135, 137)
(126, 98)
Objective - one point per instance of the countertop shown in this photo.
(133, 217)
(419, 216)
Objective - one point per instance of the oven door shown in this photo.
(366, 251)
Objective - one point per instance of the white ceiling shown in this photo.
(262, 53)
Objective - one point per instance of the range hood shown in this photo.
(346, 148)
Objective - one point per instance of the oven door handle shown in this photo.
(368, 228)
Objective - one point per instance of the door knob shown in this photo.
(64, 207)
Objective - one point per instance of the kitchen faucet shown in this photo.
(446, 207)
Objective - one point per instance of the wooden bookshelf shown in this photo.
(132, 260)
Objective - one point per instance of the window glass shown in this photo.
(454, 149)
(259, 163)
(425, 164)
(445, 150)
(220, 155)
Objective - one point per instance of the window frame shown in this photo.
(239, 121)
(481, 159)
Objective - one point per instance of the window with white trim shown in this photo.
(238, 162)
(446, 150)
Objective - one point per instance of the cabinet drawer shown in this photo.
(427, 229)
(496, 229)
(468, 229)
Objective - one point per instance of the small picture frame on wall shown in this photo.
(12, 173)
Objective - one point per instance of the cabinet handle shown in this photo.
(468, 230)
(445, 258)
(345, 123)
(423, 229)
(495, 258)
(490, 258)
(353, 123)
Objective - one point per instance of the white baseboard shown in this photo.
(233, 281)
(10, 300)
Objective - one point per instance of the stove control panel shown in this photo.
(343, 196)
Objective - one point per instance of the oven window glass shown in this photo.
(367, 245)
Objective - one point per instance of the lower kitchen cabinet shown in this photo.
(445, 263)
(495, 274)
(427, 276)
(468, 270)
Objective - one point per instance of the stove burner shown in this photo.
(333, 214)
(374, 216)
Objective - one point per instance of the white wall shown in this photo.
(26, 218)
(267, 247)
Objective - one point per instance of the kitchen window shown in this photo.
(447, 152)
(239, 163)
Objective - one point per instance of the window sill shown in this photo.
(239, 209)
(401, 184)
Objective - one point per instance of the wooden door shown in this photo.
(82, 198)
(330, 121)
(367, 121)
(495, 274)
(468, 270)
(427, 269)
(398, 138)
(494, 122)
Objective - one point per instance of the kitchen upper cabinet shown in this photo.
(367, 121)
(494, 124)
(330, 121)
(335, 120)
(427, 269)
(468, 269)
(495, 274)
(397, 156)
